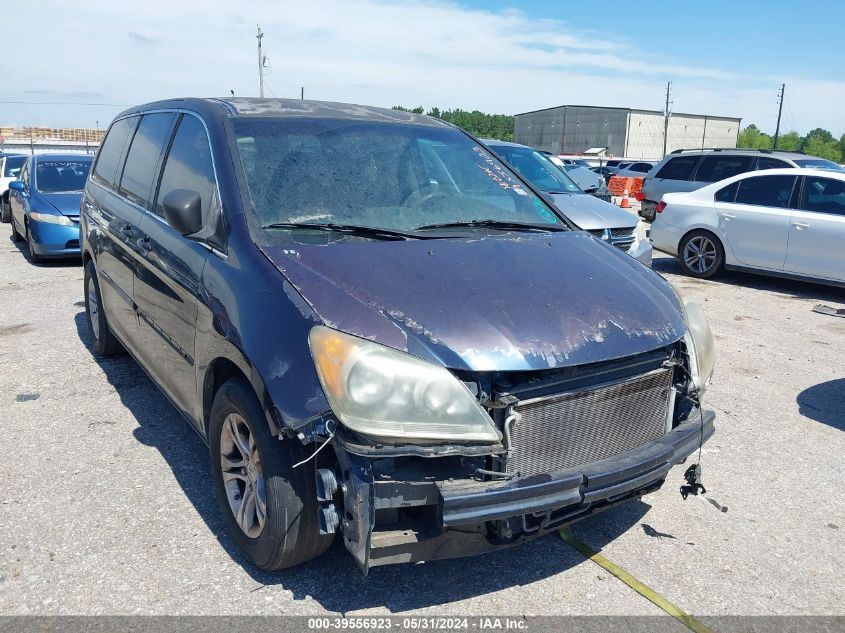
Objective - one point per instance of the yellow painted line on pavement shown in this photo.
(647, 592)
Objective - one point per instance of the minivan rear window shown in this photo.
(111, 150)
(679, 168)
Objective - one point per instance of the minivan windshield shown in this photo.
(395, 176)
(536, 169)
(59, 176)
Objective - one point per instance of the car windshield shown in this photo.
(387, 175)
(12, 168)
(537, 169)
(819, 163)
(54, 176)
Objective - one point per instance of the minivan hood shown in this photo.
(64, 203)
(591, 213)
(509, 302)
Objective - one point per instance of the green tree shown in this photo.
(817, 146)
(498, 126)
(790, 142)
(753, 138)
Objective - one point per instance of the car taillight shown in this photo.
(660, 206)
(639, 196)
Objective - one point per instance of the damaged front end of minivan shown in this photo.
(431, 463)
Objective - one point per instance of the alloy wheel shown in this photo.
(243, 477)
(700, 254)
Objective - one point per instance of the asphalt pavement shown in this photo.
(106, 505)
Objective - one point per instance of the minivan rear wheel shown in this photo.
(701, 254)
(269, 508)
(102, 340)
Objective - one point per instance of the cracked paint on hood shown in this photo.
(501, 302)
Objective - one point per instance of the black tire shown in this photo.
(290, 534)
(5, 212)
(103, 341)
(34, 257)
(16, 237)
(701, 254)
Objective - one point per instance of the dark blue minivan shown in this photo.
(381, 331)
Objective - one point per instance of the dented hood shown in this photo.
(504, 302)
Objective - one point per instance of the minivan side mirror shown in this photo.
(183, 210)
(17, 185)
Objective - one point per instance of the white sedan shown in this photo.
(784, 222)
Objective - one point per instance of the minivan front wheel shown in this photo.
(269, 508)
(102, 340)
(701, 254)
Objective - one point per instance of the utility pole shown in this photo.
(261, 61)
(780, 111)
(666, 118)
(302, 92)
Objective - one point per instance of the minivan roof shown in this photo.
(266, 107)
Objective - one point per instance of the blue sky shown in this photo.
(724, 58)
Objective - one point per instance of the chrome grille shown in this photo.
(626, 231)
(577, 428)
(622, 238)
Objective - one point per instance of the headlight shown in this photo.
(699, 343)
(51, 218)
(382, 392)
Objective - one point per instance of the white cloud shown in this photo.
(379, 53)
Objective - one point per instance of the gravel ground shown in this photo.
(106, 505)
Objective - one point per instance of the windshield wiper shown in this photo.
(352, 229)
(494, 224)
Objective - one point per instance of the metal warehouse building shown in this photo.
(572, 129)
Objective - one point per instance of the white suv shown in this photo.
(688, 170)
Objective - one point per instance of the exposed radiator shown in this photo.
(576, 428)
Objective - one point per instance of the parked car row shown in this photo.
(44, 204)
(599, 217)
(383, 328)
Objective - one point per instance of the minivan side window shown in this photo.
(189, 166)
(149, 142)
(679, 168)
(823, 195)
(716, 168)
(111, 149)
(766, 191)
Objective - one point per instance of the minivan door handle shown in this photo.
(728, 217)
(801, 225)
(144, 244)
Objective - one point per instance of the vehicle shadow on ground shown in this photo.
(790, 287)
(63, 262)
(333, 580)
(824, 403)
